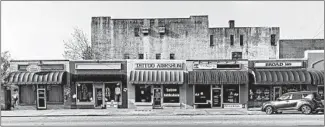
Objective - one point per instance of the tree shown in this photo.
(78, 47)
(5, 65)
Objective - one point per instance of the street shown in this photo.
(162, 121)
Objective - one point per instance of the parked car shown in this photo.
(308, 102)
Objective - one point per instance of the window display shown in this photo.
(85, 92)
(202, 93)
(290, 88)
(143, 93)
(231, 94)
(260, 94)
(171, 94)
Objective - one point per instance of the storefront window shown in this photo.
(143, 93)
(54, 94)
(110, 92)
(321, 91)
(85, 92)
(290, 88)
(260, 94)
(202, 93)
(171, 94)
(231, 93)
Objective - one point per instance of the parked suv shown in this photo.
(305, 101)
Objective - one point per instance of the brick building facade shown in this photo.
(180, 38)
(295, 48)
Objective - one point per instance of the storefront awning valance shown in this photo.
(218, 77)
(317, 77)
(51, 77)
(282, 77)
(156, 77)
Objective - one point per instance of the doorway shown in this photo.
(277, 92)
(216, 97)
(157, 94)
(99, 97)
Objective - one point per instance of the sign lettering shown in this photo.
(279, 64)
(232, 106)
(33, 68)
(159, 66)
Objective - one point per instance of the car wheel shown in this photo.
(306, 109)
(269, 110)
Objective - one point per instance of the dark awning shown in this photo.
(218, 77)
(156, 77)
(50, 77)
(317, 77)
(282, 77)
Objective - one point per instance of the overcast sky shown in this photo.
(36, 30)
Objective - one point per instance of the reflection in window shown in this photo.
(231, 94)
(142, 93)
(321, 91)
(202, 93)
(85, 92)
(171, 94)
(260, 94)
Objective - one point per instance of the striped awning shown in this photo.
(317, 77)
(282, 77)
(156, 77)
(218, 77)
(50, 77)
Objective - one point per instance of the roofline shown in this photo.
(147, 18)
(301, 39)
(38, 60)
(216, 60)
(245, 27)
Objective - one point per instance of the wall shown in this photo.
(295, 48)
(187, 38)
(315, 59)
(66, 89)
(131, 87)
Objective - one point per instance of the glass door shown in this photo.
(157, 94)
(216, 97)
(41, 98)
(99, 97)
(277, 92)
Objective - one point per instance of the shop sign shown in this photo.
(232, 106)
(216, 66)
(152, 66)
(104, 66)
(33, 68)
(278, 64)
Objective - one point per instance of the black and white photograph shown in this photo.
(162, 63)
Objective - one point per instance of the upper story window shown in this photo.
(273, 40)
(126, 56)
(241, 40)
(158, 56)
(231, 39)
(140, 56)
(172, 56)
(211, 40)
(136, 32)
(145, 31)
(237, 55)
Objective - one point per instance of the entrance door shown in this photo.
(157, 98)
(99, 97)
(41, 98)
(277, 92)
(216, 97)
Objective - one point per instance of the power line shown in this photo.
(318, 33)
(318, 30)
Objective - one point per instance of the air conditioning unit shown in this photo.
(162, 29)
(145, 30)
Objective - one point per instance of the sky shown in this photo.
(36, 29)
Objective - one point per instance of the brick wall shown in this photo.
(187, 38)
(295, 48)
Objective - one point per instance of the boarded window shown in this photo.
(136, 32)
(140, 56)
(273, 40)
(55, 94)
(158, 56)
(241, 40)
(211, 40)
(231, 39)
(172, 56)
(27, 95)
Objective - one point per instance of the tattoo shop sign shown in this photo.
(159, 66)
(278, 64)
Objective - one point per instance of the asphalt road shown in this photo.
(163, 121)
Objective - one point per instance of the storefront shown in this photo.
(316, 69)
(272, 78)
(41, 84)
(156, 83)
(318, 80)
(218, 83)
(99, 84)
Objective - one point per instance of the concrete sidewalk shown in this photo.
(126, 112)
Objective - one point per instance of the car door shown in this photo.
(282, 101)
(293, 100)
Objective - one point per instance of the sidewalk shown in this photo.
(126, 112)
